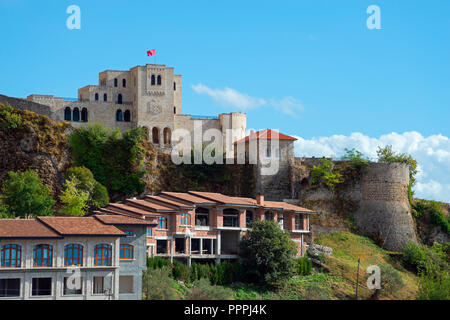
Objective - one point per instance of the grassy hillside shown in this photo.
(347, 248)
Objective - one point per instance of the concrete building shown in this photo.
(208, 226)
(72, 258)
(148, 96)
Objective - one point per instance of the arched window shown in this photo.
(201, 217)
(11, 255)
(119, 115)
(230, 218)
(105, 97)
(119, 99)
(159, 80)
(76, 114)
(67, 114)
(96, 97)
(42, 255)
(162, 222)
(102, 255)
(115, 82)
(126, 251)
(174, 86)
(124, 83)
(155, 135)
(127, 116)
(73, 255)
(248, 218)
(167, 136)
(84, 115)
(268, 215)
(153, 79)
(185, 219)
(174, 110)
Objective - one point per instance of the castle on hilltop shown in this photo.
(147, 96)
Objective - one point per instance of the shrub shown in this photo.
(24, 195)
(414, 256)
(267, 253)
(431, 261)
(313, 291)
(157, 262)
(180, 271)
(203, 290)
(303, 266)
(391, 279)
(324, 174)
(434, 287)
(9, 119)
(356, 158)
(158, 285)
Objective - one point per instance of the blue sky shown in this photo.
(308, 68)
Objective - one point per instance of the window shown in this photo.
(115, 82)
(281, 220)
(127, 116)
(119, 99)
(268, 215)
(185, 219)
(174, 86)
(268, 151)
(153, 79)
(129, 233)
(298, 223)
(119, 115)
(105, 97)
(99, 284)
(76, 114)
(162, 223)
(180, 245)
(73, 255)
(102, 255)
(159, 80)
(126, 251)
(9, 287)
(155, 135)
(73, 286)
(149, 232)
(42, 255)
(248, 218)
(11, 256)
(124, 83)
(67, 114)
(230, 218)
(167, 136)
(201, 217)
(161, 246)
(174, 110)
(126, 284)
(96, 97)
(84, 115)
(41, 287)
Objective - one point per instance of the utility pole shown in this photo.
(357, 280)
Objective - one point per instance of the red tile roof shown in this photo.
(80, 226)
(268, 134)
(124, 220)
(25, 228)
(164, 201)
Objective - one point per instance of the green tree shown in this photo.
(25, 196)
(324, 173)
(98, 195)
(158, 285)
(74, 198)
(267, 253)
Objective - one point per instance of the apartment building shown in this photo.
(205, 225)
(75, 258)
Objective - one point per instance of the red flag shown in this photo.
(151, 52)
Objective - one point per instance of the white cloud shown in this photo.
(229, 97)
(432, 154)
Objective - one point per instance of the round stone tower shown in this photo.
(385, 213)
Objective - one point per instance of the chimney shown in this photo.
(260, 199)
